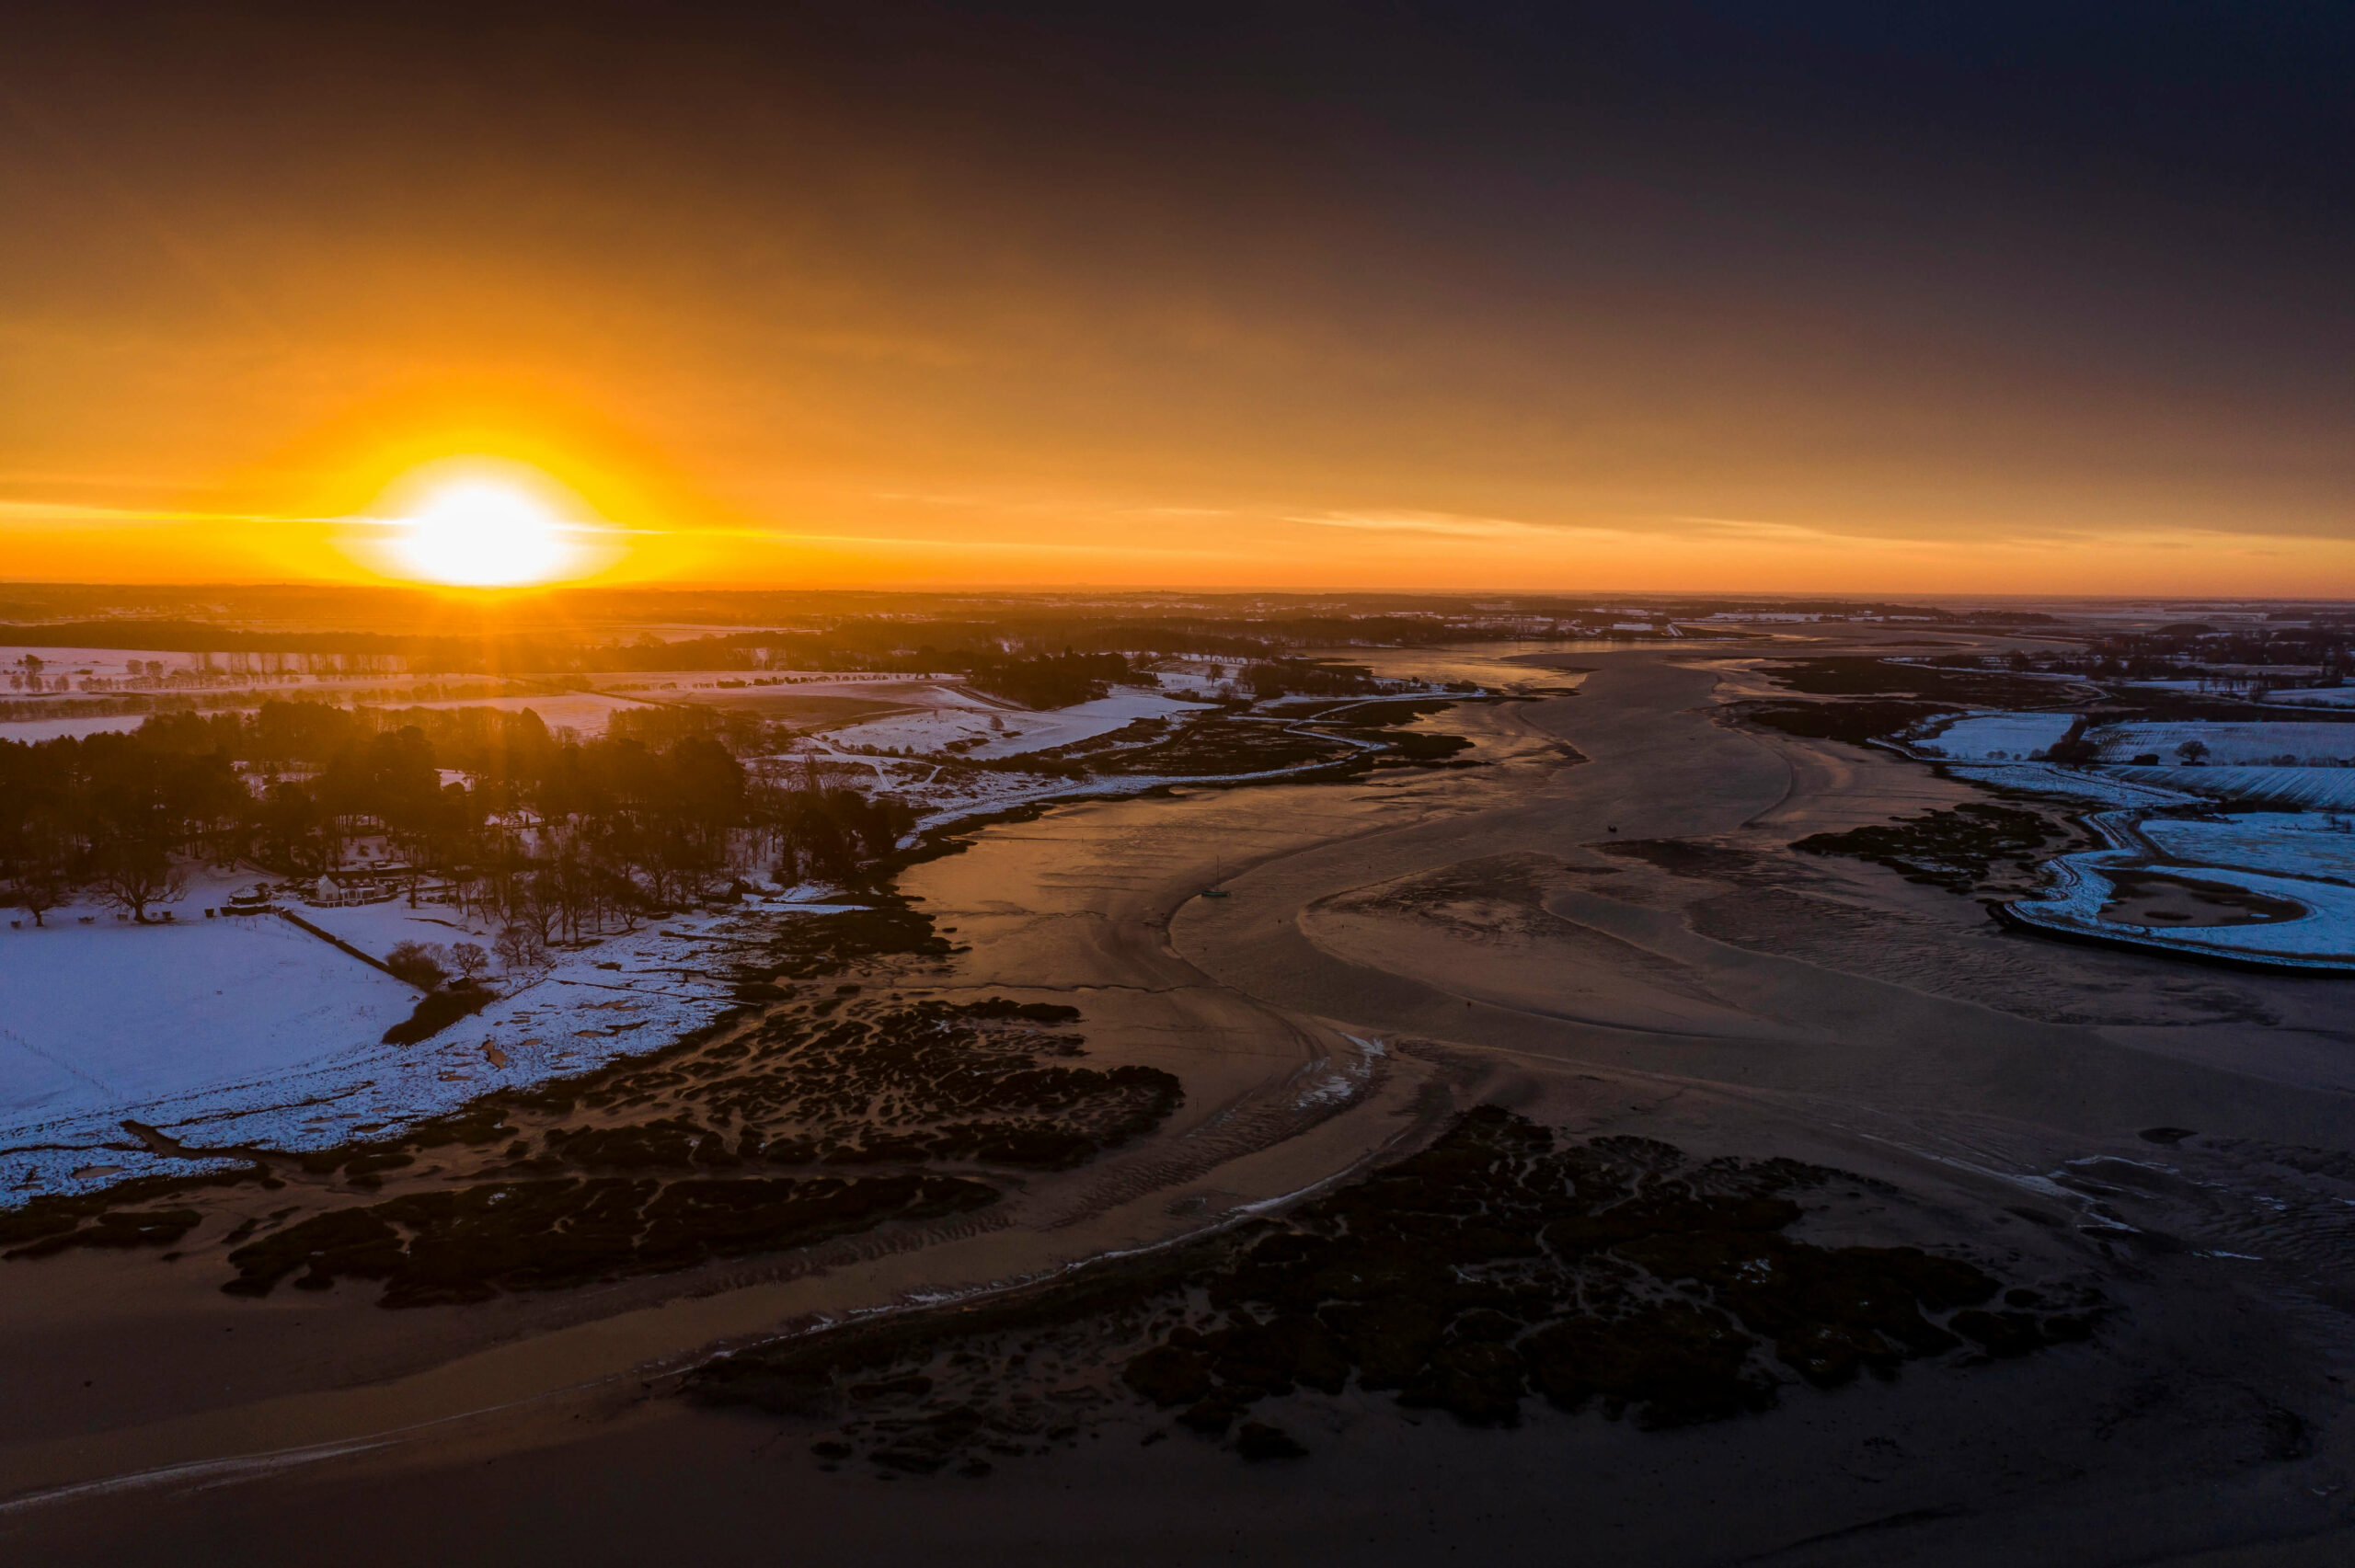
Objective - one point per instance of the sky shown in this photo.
(1981, 298)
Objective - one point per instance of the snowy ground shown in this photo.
(586, 713)
(2315, 697)
(2316, 788)
(249, 1031)
(29, 730)
(1996, 737)
(2322, 938)
(125, 1013)
(1994, 747)
(2103, 786)
(1007, 732)
(2279, 842)
(2254, 743)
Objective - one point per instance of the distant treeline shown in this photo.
(555, 838)
(988, 640)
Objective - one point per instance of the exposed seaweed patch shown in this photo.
(1866, 675)
(1494, 1267)
(1972, 846)
(1222, 745)
(119, 1227)
(1853, 722)
(1701, 860)
(437, 1248)
(837, 1080)
(54, 1222)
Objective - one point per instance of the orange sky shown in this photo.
(836, 311)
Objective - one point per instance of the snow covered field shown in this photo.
(2315, 697)
(2314, 788)
(2243, 761)
(32, 729)
(127, 1014)
(2313, 745)
(249, 1031)
(1996, 737)
(2274, 841)
(1015, 730)
(585, 713)
(2103, 786)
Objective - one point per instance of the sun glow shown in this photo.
(483, 534)
(481, 523)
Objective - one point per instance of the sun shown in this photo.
(482, 533)
(481, 523)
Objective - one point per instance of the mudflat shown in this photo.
(1534, 1152)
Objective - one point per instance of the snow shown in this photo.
(130, 1013)
(587, 712)
(377, 928)
(246, 1030)
(2319, 788)
(34, 729)
(2324, 937)
(1993, 747)
(1024, 730)
(2107, 786)
(2315, 697)
(1997, 736)
(2283, 843)
(2257, 742)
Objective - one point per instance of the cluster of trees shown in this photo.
(553, 838)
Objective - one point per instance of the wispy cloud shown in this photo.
(1453, 525)
(1015, 546)
(71, 513)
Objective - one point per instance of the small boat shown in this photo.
(1215, 893)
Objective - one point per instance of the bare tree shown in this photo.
(469, 959)
(134, 878)
(521, 946)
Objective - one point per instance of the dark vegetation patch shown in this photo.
(647, 1165)
(1383, 714)
(1855, 723)
(813, 947)
(1496, 1267)
(1862, 676)
(1697, 859)
(118, 1228)
(2158, 898)
(471, 1243)
(1217, 744)
(437, 1010)
(50, 1224)
(1969, 847)
(1416, 746)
